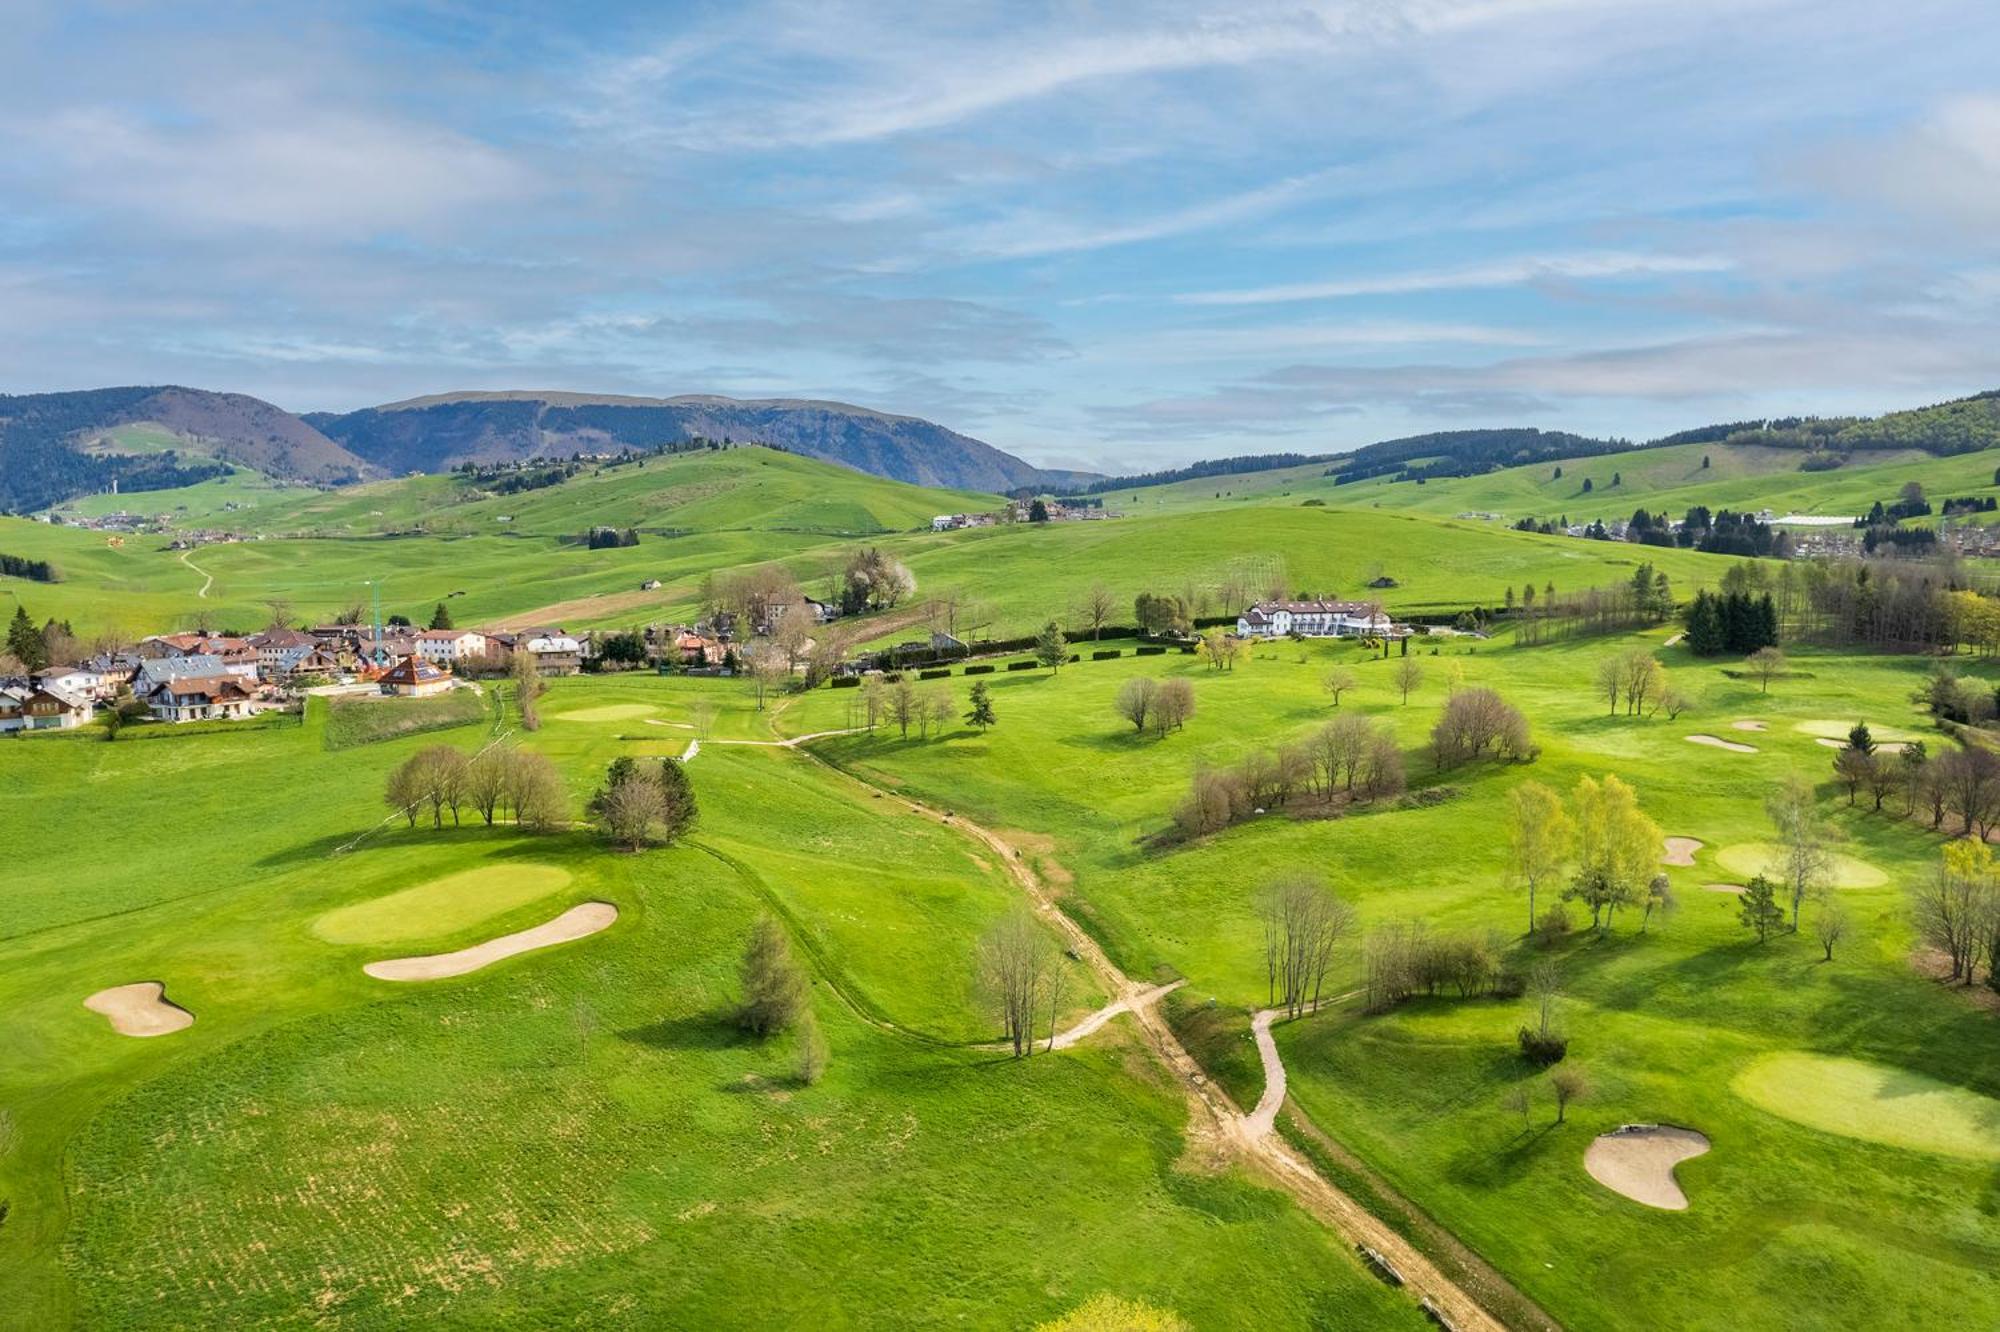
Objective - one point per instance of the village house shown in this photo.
(413, 677)
(155, 671)
(699, 650)
(447, 647)
(199, 698)
(280, 650)
(1313, 619)
(35, 708)
(555, 654)
(78, 681)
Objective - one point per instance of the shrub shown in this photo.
(985, 669)
(844, 682)
(1542, 1049)
(1509, 985)
(1153, 650)
(1553, 925)
(1022, 665)
(1106, 655)
(934, 675)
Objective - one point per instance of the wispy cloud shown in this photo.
(1590, 267)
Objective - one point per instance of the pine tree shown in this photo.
(1760, 910)
(441, 618)
(25, 641)
(1704, 627)
(682, 812)
(981, 714)
(1051, 648)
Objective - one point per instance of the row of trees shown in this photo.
(37, 646)
(1644, 599)
(1022, 974)
(498, 783)
(1350, 757)
(1636, 679)
(1405, 958)
(1730, 622)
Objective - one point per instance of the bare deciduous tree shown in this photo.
(631, 810)
(1135, 700)
(1804, 859)
(1017, 960)
(1303, 926)
(1409, 674)
(1338, 681)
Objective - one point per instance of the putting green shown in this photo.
(1827, 728)
(1873, 1102)
(442, 906)
(1750, 859)
(626, 712)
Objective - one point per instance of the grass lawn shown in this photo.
(579, 1133)
(1784, 1216)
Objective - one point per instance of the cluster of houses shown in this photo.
(200, 676)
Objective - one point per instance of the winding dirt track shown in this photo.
(1213, 1117)
(207, 578)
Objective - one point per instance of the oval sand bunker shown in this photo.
(578, 922)
(140, 1009)
(1717, 742)
(1639, 1159)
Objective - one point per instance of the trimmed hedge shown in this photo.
(983, 669)
(1022, 665)
(934, 675)
(844, 682)
(1149, 651)
(1106, 655)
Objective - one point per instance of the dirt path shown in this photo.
(207, 578)
(1265, 1117)
(1091, 1025)
(794, 742)
(1214, 1119)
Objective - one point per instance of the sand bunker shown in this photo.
(576, 923)
(140, 1009)
(1717, 742)
(1881, 746)
(609, 712)
(1748, 725)
(1638, 1161)
(443, 906)
(1753, 858)
(1680, 850)
(1735, 888)
(1829, 728)
(1873, 1102)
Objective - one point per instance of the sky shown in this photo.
(1103, 235)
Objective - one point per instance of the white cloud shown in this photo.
(1591, 267)
(279, 167)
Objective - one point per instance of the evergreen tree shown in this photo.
(1051, 648)
(682, 812)
(1760, 910)
(1767, 621)
(1704, 626)
(25, 641)
(1859, 740)
(441, 618)
(981, 714)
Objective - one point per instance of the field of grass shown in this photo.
(365, 719)
(1788, 1221)
(576, 1135)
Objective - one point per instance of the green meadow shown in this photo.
(1876, 1215)
(577, 1134)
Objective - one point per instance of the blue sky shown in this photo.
(1094, 234)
